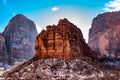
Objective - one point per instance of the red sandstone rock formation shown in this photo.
(62, 41)
(104, 35)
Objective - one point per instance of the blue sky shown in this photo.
(46, 12)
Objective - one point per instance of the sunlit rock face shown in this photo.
(104, 35)
(64, 40)
(19, 37)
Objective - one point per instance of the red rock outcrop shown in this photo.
(104, 35)
(64, 40)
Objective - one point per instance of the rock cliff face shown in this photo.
(19, 37)
(64, 40)
(104, 35)
(3, 51)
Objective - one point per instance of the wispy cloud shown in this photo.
(5, 2)
(9, 9)
(55, 9)
(113, 5)
(13, 13)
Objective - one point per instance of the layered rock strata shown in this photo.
(64, 40)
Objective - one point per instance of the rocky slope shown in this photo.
(70, 63)
(104, 35)
(18, 39)
(62, 41)
(60, 69)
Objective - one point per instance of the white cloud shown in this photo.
(55, 9)
(39, 29)
(113, 5)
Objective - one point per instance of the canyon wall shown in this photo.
(104, 35)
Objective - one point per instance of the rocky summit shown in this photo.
(61, 54)
(62, 41)
(17, 40)
(104, 35)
